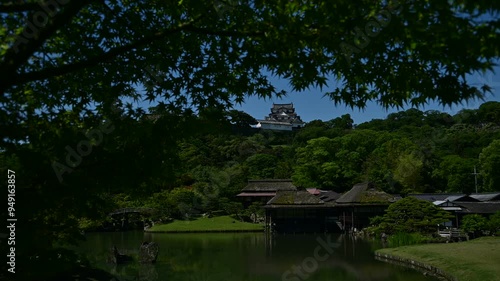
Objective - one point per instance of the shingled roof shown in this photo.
(431, 197)
(487, 196)
(365, 193)
(270, 185)
(480, 207)
(461, 198)
(483, 197)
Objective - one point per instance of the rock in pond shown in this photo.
(116, 257)
(148, 252)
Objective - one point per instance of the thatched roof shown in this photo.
(295, 198)
(365, 193)
(256, 194)
(270, 185)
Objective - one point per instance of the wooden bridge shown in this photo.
(126, 211)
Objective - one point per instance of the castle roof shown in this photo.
(280, 105)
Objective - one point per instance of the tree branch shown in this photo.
(256, 33)
(24, 48)
(18, 7)
(111, 54)
(226, 33)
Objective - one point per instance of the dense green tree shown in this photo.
(383, 162)
(314, 163)
(489, 112)
(251, 145)
(164, 204)
(489, 160)
(254, 211)
(343, 122)
(184, 202)
(457, 173)
(464, 140)
(194, 153)
(231, 208)
(238, 178)
(409, 172)
(336, 163)
(494, 223)
(467, 116)
(411, 117)
(411, 215)
(241, 120)
(474, 223)
(374, 124)
(312, 130)
(435, 118)
(353, 152)
(261, 166)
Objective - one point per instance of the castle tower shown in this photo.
(282, 117)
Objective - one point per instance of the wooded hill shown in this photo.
(187, 162)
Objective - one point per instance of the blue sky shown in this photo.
(311, 105)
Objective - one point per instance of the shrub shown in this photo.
(494, 223)
(474, 224)
(411, 215)
(232, 208)
(404, 239)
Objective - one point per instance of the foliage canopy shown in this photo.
(84, 55)
(411, 215)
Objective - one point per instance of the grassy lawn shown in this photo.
(475, 260)
(215, 224)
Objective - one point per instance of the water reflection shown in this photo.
(247, 256)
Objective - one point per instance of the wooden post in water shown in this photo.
(343, 228)
(266, 221)
(352, 220)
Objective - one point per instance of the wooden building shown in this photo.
(300, 212)
(361, 203)
(303, 211)
(264, 190)
(313, 210)
(461, 208)
(460, 205)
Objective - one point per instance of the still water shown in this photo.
(246, 257)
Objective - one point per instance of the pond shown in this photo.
(245, 257)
